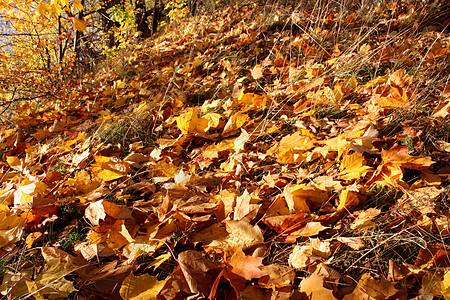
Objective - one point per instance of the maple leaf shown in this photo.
(349, 198)
(243, 207)
(291, 149)
(399, 155)
(11, 228)
(140, 287)
(364, 217)
(313, 287)
(375, 289)
(353, 166)
(250, 101)
(79, 24)
(304, 256)
(278, 276)
(192, 123)
(98, 210)
(51, 282)
(139, 246)
(306, 193)
(195, 268)
(310, 229)
(387, 174)
(113, 235)
(235, 122)
(242, 265)
(109, 168)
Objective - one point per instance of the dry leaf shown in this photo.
(313, 287)
(140, 287)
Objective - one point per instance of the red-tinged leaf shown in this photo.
(245, 266)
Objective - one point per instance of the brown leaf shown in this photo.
(378, 289)
(195, 268)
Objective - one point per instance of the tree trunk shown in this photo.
(142, 19)
(157, 10)
(78, 34)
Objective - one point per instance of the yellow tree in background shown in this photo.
(35, 47)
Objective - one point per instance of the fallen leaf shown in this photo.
(304, 256)
(140, 287)
(313, 287)
(377, 289)
(242, 265)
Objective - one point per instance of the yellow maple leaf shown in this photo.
(292, 148)
(314, 194)
(191, 123)
(113, 235)
(353, 166)
(11, 228)
(313, 287)
(235, 122)
(250, 100)
(348, 198)
(109, 168)
(376, 289)
(78, 5)
(144, 287)
(310, 229)
(339, 144)
(52, 279)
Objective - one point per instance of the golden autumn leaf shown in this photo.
(442, 111)
(364, 218)
(278, 276)
(33, 237)
(314, 289)
(292, 148)
(192, 123)
(250, 100)
(15, 163)
(139, 246)
(243, 234)
(114, 236)
(109, 168)
(348, 198)
(77, 4)
(353, 242)
(141, 287)
(310, 229)
(257, 72)
(353, 166)
(313, 194)
(339, 144)
(386, 174)
(51, 282)
(11, 228)
(79, 25)
(235, 122)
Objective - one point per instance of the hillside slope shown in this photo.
(261, 152)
